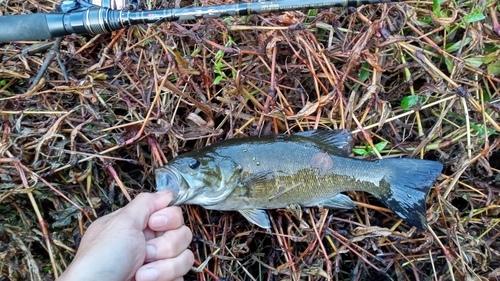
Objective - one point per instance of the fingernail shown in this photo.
(159, 220)
(148, 274)
(150, 252)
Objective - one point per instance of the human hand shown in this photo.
(143, 241)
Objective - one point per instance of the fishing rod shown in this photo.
(88, 18)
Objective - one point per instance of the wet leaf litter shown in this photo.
(406, 79)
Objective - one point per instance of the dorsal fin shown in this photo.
(340, 139)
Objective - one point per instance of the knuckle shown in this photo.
(169, 246)
(171, 270)
(141, 196)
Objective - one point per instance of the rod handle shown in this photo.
(24, 27)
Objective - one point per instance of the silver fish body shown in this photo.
(309, 169)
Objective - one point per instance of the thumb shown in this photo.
(138, 211)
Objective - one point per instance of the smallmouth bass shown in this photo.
(308, 168)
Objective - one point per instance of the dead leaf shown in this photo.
(203, 107)
(384, 110)
(308, 109)
(372, 231)
(158, 129)
(5, 73)
(195, 120)
(34, 271)
(448, 20)
(271, 44)
(290, 18)
(370, 91)
(370, 58)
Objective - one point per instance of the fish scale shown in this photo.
(302, 186)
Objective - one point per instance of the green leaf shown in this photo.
(449, 64)
(381, 145)
(486, 96)
(452, 47)
(494, 68)
(217, 79)
(490, 48)
(425, 20)
(219, 55)
(64, 217)
(436, 7)
(476, 62)
(312, 12)
(218, 66)
(491, 57)
(364, 73)
(3, 82)
(453, 114)
(480, 129)
(360, 151)
(410, 101)
(368, 150)
(476, 16)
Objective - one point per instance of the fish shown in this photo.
(308, 169)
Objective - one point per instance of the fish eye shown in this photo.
(193, 164)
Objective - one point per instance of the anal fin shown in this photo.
(339, 201)
(257, 217)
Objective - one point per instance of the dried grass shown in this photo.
(75, 151)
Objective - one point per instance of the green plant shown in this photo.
(218, 61)
(410, 101)
(369, 150)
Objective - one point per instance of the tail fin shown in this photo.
(409, 182)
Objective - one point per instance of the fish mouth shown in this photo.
(168, 178)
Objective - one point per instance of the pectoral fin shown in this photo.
(257, 184)
(339, 201)
(258, 179)
(257, 217)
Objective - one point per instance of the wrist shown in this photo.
(78, 271)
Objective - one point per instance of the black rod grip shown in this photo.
(24, 27)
